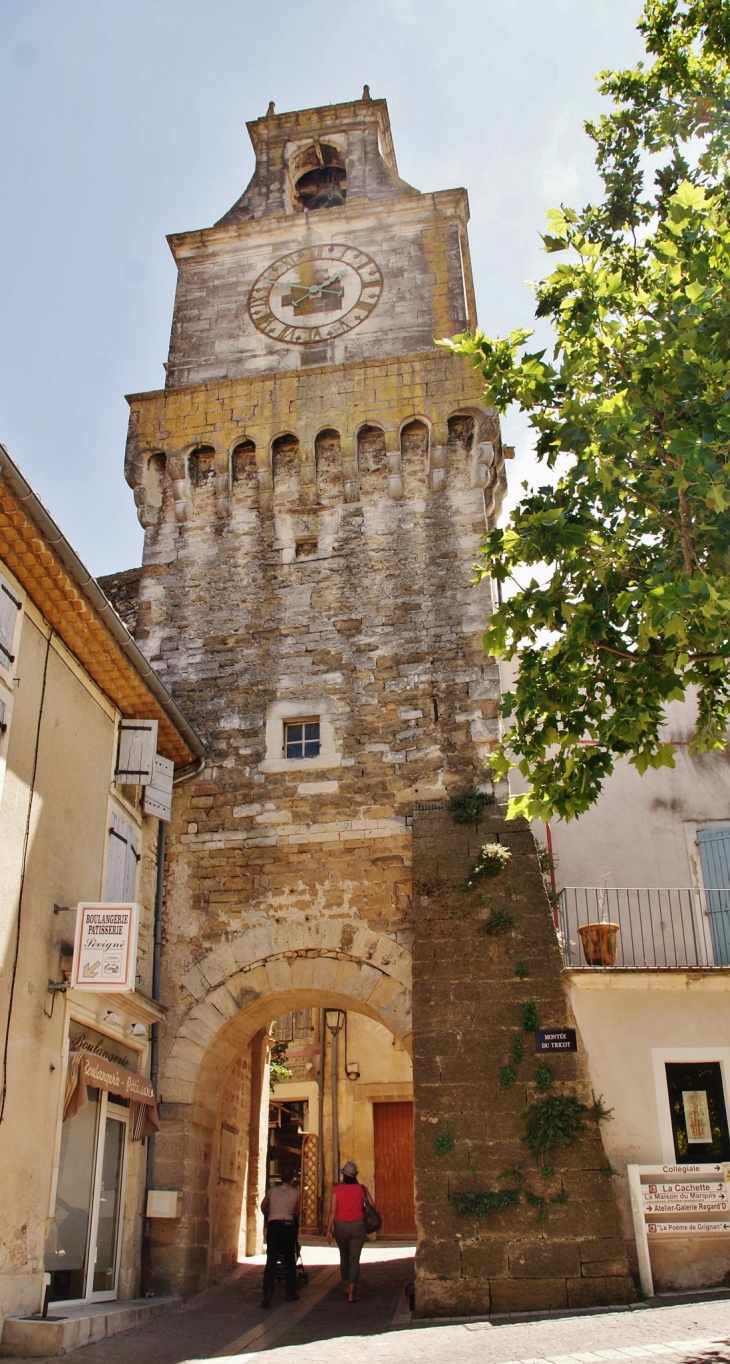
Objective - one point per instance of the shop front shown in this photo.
(108, 1105)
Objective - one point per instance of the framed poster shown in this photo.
(105, 948)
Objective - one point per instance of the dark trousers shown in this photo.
(281, 1243)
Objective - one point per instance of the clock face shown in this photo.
(315, 294)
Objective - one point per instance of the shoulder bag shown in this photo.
(373, 1220)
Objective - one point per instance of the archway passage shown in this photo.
(371, 1122)
(214, 1085)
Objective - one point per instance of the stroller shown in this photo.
(302, 1275)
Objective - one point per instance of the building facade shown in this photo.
(73, 829)
(314, 480)
(651, 860)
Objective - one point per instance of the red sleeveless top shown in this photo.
(350, 1202)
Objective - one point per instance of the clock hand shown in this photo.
(286, 284)
(332, 280)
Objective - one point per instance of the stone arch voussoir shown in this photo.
(232, 991)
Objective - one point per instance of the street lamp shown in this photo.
(335, 1021)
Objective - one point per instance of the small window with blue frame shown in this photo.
(301, 739)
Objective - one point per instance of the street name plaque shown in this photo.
(555, 1039)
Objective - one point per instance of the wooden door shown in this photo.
(393, 1192)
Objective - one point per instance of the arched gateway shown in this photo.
(323, 474)
(212, 1073)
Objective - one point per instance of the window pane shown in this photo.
(110, 1195)
(66, 1245)
(311, 736)
(302, 739)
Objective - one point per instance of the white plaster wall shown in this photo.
(630, 1024)
(642, 829)
(65, 864)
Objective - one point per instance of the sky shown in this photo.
(124, 120)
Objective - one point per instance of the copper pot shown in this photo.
(600, 943)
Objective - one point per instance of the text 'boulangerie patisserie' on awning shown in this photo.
(87, 1071)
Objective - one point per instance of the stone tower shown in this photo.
(313, 482)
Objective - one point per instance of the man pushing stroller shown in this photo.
(281, 1207)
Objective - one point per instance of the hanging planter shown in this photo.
(600, 943)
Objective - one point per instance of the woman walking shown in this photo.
(347, 1221)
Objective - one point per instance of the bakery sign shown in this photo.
(105, 948)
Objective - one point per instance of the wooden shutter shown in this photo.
(158, 793)
(124, 855)
(714, 846)
(9, 608)
(137, 745)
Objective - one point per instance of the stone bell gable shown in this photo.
(324, 179)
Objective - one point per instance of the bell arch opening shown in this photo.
(319, 176)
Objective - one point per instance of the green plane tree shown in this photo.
(623, 596)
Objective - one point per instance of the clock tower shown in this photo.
(328, 257)
(314, 481)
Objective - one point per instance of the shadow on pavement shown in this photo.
(206, 1325)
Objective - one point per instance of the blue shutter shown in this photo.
(123, 858)
(714, 845)
(9, 608)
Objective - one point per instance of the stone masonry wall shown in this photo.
(377, 631)
(561, 1245)
(308, 553)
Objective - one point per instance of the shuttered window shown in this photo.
(121, 878)
(9, 608)
(714, 846)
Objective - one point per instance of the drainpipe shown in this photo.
(191, 770)
(335, 1124)
(553, 888)
(154, 1039)
(320, 1124)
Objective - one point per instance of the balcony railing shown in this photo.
(645, 928)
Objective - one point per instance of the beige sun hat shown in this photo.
(349, 1168)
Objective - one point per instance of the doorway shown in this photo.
(393, 1151)
(82, 1252)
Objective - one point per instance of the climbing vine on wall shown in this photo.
(443, 1143)
(479, 1205)
(468, 807)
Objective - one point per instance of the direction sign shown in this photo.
(700, 1189)
(683, 1228)
(694, 1197)
(686, 1205)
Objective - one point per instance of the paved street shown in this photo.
(226, 1323)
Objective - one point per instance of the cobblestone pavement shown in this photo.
(226, 1323)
